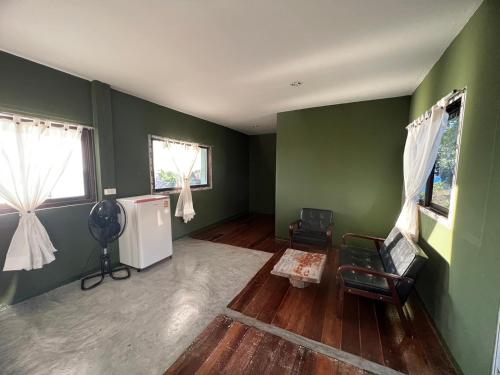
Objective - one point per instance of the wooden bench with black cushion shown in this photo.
(386, 272)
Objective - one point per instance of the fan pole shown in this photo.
(106, 261)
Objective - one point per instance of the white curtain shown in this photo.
(184, 156)
(33, 156)
(421, 149)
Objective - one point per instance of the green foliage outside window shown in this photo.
(445, 164)
(169, 178)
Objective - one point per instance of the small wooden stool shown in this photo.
(300, 267)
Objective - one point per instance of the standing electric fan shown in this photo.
(107, 221)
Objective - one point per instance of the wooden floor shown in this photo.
(230, 347)
(251, 231)
(368, 329)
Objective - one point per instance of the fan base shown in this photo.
(106, 269)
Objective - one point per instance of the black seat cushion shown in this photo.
(355, 256)
(311, 237)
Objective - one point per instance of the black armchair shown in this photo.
(315, 227)
(386, 273)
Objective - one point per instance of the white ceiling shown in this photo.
(232, 61)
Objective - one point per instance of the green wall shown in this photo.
(30, 88)
(346, 158)
(262, 173)
(121, 124)
(460, 285)
(134, 119)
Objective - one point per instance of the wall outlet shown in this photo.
(110, 191)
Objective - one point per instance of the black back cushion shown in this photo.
(401, 256)
(316, 220)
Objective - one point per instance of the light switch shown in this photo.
(110, 191)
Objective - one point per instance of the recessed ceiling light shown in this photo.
(296, 84)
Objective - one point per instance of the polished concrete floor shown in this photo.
(136, 326)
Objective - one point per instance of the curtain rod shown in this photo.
(446, 100)
(171, 140)
(180, 142)
(11, 116)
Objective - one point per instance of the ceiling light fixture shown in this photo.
(296, 84)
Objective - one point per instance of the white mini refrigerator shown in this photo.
(147, 238)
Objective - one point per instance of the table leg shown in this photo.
(298, 283)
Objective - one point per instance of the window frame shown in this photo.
(174, 190)
(456, 103)
(89, 179)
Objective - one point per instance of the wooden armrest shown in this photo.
(329, 236)
(376, 240)
(294, 224)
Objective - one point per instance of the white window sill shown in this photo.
(177, 191)
(443, 220)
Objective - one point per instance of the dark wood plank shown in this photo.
(267, 300)
(309, 364)
(315, 320)
(285, 359)
(414, 357)
(391, 336)
(271, 245)
(304, 312)
(287, 312)
(437, 357)
(251, 289)
(253, 231)
(332, 326)
(324, 365)
(370, 344)
(277, 291)
(204, 344)
(298, 365)
(246, 350)
(350, 341)
(345, 369)
(265, 355)
(227, 346)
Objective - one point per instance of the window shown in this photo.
(438, 191)
(77, 183)
(164, 174)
